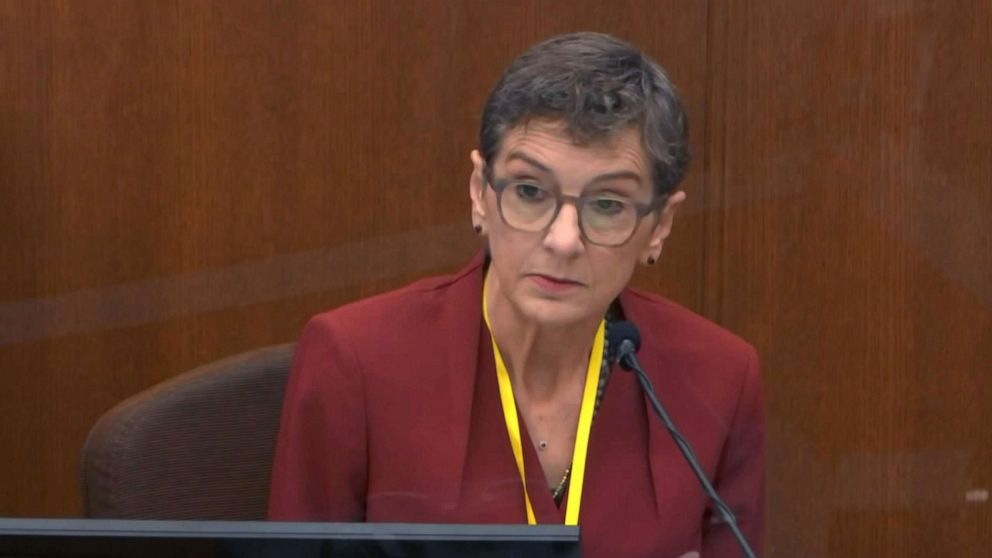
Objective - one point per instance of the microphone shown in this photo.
(624, 341)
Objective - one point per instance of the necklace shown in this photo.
(604, 374)
(559, 490)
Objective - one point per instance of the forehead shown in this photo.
(551, 144)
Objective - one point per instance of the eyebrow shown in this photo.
(529, 160)
(544, 168)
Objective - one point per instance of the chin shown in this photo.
(553, 313)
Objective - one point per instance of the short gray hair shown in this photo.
(596, 85)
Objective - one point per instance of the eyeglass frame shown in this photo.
(642, 209)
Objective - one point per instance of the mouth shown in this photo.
(553, 284)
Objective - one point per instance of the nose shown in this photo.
(564, 236)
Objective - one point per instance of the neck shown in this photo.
(541, 359)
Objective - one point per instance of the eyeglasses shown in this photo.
(605, 219)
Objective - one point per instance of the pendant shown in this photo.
(542, 445)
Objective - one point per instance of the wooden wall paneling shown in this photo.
(22, 158)
(88, 212)
(186, 180)
(852, 246)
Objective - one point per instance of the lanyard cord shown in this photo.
(582, 433)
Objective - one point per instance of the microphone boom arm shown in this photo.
(628, 361)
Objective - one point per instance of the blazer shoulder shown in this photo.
(672, 325)
(406, 309)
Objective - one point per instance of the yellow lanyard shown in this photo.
(582, 433)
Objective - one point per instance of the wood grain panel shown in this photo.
(181, 180)
(853, 247)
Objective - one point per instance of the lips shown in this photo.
(553, 284)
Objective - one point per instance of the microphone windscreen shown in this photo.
(619, 331)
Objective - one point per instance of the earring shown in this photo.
(478, 229)
(651, 260)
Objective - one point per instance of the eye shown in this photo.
(529, 192)
(608, 206)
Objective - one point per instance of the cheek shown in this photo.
(613, 273)
(508, 248)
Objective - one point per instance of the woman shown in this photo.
(488, 396)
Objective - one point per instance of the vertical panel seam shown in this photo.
(714, 160)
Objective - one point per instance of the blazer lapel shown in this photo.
(663, 455)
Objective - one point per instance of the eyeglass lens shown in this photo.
(605, 219)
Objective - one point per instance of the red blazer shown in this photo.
(392, 414)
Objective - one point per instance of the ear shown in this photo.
(477, 188)
(652, 252)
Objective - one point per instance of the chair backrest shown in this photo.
(198, 446)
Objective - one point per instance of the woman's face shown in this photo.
(555, 277)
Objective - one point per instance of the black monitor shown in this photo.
(104, 538)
